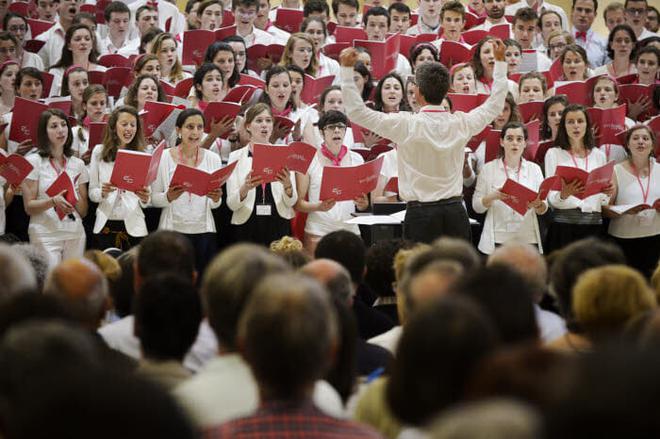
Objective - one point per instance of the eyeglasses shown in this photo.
(5, 50)
(17, 28)
(337, 126)
(636, 11)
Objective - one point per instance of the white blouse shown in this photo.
(190, 213)
(118, 205)
(322, 223)
(645, 223)
(389, 170)
(502, 223)
(47, 224)
(560, 157)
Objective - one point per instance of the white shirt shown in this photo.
(118, 205)
(322, 223)
(512, 86)
(430, 163)
(51, 52)
(502, 223)
(119, 336)
(47, 224)
(128, 48)
(257, 37)
(423, 28)
(550, 324)
(242, 209)
(559, 157)
(166, 11)
(645, 223)
(189, 213)
(328, 66)
(389, 170)
(540, 63)
(32, 60)
(226, 389)
(544, 6)
(595, 45)
(403, 66)
(487, 25)
(279, 36)
(389, 339)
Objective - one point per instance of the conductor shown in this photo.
(430, 145)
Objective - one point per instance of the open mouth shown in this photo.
(466, 89)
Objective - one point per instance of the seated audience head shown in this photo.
(228, 283)
(606, 299)
(168, 312)
(164, 251)
(380, 265)
(457, 250)
(37, 258)
(121, 289)
(291, 250)
(16, 274)
(83, 288)
(346, 248)
(506, 297)
(334, 277)
(439, 349)
(106, 263)
(288, 335)
(526, 260)
(575, 259)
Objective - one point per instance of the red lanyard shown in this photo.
(586, 161)
(645, 193)
(507, 172)
(57, 170)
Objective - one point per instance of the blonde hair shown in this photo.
(288, 52)
(286, 244)
(400, 261)
(177, 70)
(606, 298)
(106, 263)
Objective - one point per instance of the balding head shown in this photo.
(335, 278)
(82, 288)
(526, 260)
(16, 274)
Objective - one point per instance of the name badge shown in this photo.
(263, 210)
(513, 226)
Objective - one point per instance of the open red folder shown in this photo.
(531, 110)
(268, 160)
(580, 92)
(452, 53)
(358, 137)
(630, 93)
(472, 20)
(215, 111)
(289, 19)
(251, 80)
(346, 34)
(334, 49)
(115, 60)
(392, 185)
(134, 170)
(654, 124)
(625, 208)
(37, 27)
(519, 196)
(492, 150)
(63, 183)
(96, 133)
(371, 154)
(47, 84)
(16, 169)
(240, 94)
(384, 54)
(314, 87)
(199, 182)
(25, 120)
(473, 36)
(347, 183)
(594, 182)
(181, 89)
(407, 42)
(156, 114)
(466, 103)
(536, 151)
(607, 123)
(627, 79)
(272, 51)
(284, 122)
(34, 46)
(113, 79)
(195, 43)
(228, 18)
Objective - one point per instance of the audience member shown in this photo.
(38, 259)
(16, 274)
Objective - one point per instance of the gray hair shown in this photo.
(16, 274)
(38, 259)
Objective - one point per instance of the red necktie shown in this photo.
(581, 36)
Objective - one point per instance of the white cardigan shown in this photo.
(243, 209)
(492, 177)
(99, 173)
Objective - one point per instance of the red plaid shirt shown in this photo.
(290, 421)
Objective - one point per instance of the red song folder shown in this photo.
(134, 170)
(384, 54)
(536, 151)
(181, 89)
(215, 111)
(37, 27)
(251, 80)
(199, 182)
(113, 79)
(630, 93)
(63, 183)
(594, 182)
(407, 42)
(580, 92)
(625, 208)
(115, 60)
(195, 43)
(257, 51)
(96, 133)
(16, 167)
(314, 87)
(492, 150)
(452, 53)
(531, 110)
(392, 185)
(334, 49)
(240, 94)
(519, 196)
(156, 114)
(348, 183)
(466, 103)
(607, 122)
(472, 20)
(346, 34)
(268, 160)
(34, 46)
(289, 19)
(25, 120)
